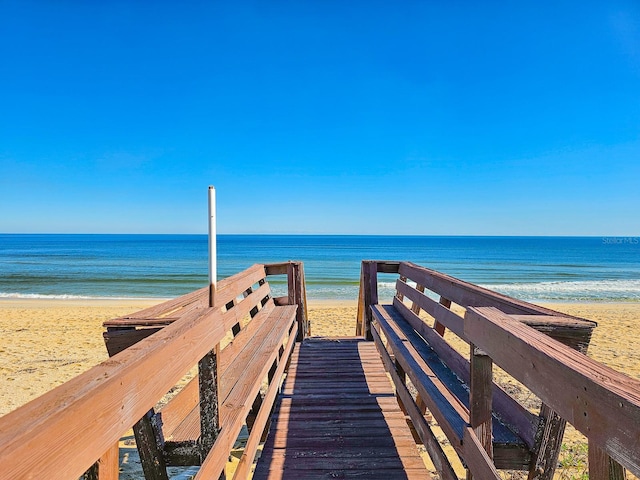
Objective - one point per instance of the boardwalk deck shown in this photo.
(338, 418)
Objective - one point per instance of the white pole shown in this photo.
(212, 243)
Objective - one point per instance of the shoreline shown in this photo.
(313, 303)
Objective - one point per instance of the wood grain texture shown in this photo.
(427, 437)
(120, 388)
(515, 416)
(357, 430)
(598, 401)
(262, 418)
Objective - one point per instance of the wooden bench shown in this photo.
(410, 335)
(229, 388)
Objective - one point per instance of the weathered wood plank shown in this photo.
(438, 311)
(428, 438)
(450, 414)
(480, 398)
(242, 470)
(467, 294)
(520, 420)
(239, 400)
(476, 457)
(120, 388)
(342, 431)
(603, 467)
(597, 400)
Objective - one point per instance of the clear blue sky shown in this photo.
(505, 118)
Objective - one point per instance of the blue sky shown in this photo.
(442, 118)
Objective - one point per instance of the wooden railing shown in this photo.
(543, 349)
(62, 434)
(601, 403)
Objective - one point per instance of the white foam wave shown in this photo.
(608, 290)
(37, 296)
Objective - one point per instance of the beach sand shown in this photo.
(44, 343)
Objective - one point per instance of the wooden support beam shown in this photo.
(602, 466)
(209, 412)
(148, 436)
(480, 400)
(439, 327)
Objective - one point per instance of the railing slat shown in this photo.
(46, 438)
(598, 401)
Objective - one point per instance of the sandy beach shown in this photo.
(44, 343)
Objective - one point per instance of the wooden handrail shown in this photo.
(61, 434)
(600, 402)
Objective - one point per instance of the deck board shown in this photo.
(337, 417)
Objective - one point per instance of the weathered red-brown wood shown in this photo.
(427, 437)
(106, 468)
(239, 400)
(512, 413)
(439, 327)
(262, 418)
(602, 466)
(478, 461)
(598, 401)
(450, 414)
(348, 430)
(480, 404)
(120, 388)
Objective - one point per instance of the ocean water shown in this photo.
(570, 269)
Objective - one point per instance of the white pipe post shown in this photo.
(213, 261)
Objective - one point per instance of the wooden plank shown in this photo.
(480, 396)
(269, 326)
(514, 415)
(226, 290)
(332, 474)
(451, 416)
(442, 314)
(148, 433)
(387, 266)
(248, 456)
(108, 464)
(548, 444)
(120, 388)
(208, 394)
(603, 467)
(467, 294)
(439, 327)
(428, 438)
(309, 436)
(300, 299)
(117, 340)
(598, 401)
(163, 309)
(476, 458)
(240, 399)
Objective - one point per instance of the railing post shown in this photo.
(481, 395)
(368, 296)
(297, 295)
(602, 466)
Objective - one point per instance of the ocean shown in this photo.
(564, 269)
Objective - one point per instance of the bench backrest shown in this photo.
(91, 412)
(418, 287)
(516, 335)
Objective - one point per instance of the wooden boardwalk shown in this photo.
(338, 417)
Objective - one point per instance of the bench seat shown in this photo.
(242, 365)
(444, 392)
